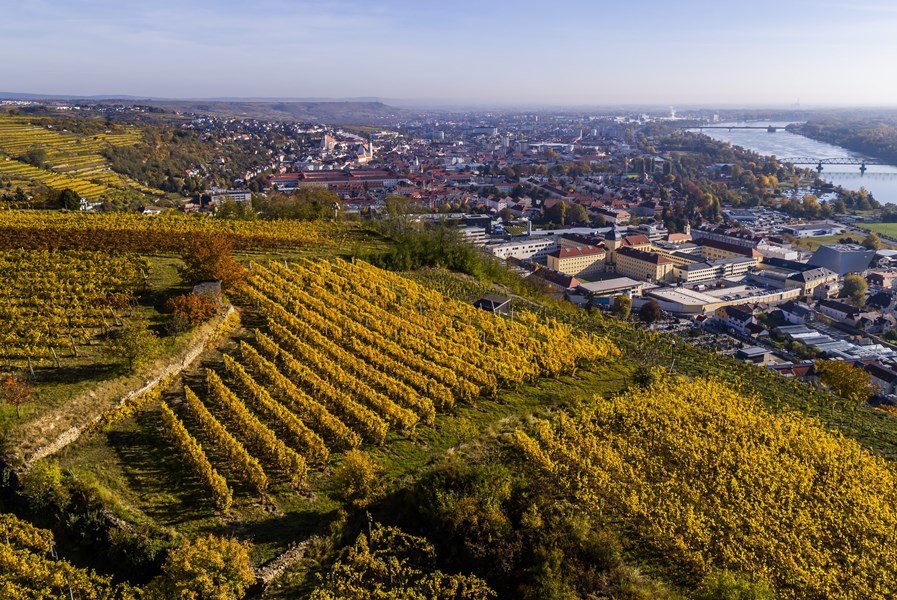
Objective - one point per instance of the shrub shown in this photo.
(189, 310)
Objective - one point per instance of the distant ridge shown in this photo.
(106, 97)
(337, 111)
(30, 96)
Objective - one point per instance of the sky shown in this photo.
(499, 52)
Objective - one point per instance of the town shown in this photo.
(588, 209)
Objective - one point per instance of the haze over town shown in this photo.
(498, 53)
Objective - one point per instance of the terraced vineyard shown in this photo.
(352, 353)
(131, 232)
(73, 161)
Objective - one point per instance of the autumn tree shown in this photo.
(358, 480)
(851, 383)
(210, 258)
(855, 288)
(208, 568)
(16, 391)
(189, 310)
(621, 306)
(872, 241)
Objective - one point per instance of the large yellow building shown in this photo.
(645, 266)
(578, 260)
(715, 250)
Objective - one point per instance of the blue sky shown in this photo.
(563, 52)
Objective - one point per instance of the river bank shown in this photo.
(879, 180)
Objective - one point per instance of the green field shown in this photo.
(888, 229)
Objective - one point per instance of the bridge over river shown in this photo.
(820, 162)
(769, 128)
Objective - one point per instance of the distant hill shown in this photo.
(354, 111)
(31, 96)
(346, 112)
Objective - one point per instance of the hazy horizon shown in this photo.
(585, 54)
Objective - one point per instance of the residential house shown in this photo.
(884, 378)
(839, 311)
(796, 313)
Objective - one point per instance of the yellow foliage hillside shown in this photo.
(711, 480)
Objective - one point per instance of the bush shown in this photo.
(189, 310)
(358, 480)
(208, 567)
(724, 585)
(137, 346)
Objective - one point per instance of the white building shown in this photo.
(529, 248)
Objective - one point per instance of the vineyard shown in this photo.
(709, 479)
(488, 432)
(130, 232)
(29, 569)
(53, 303)
(73, 161)
(349, 354)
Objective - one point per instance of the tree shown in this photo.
(305, 203)
(557, 213)
(872, 241)
(189, 310)
(36, 157)
(577, 214)
(16, 391)
(649, 312)
(237, 211)
(137, 346)
(851, 383)
(210, 567)
(621, 306)
(855, 288)
(358, 479)
(210, 258)
(116, 200)
(389, 563)
(70, 199)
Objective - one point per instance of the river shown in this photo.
(880, 181)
